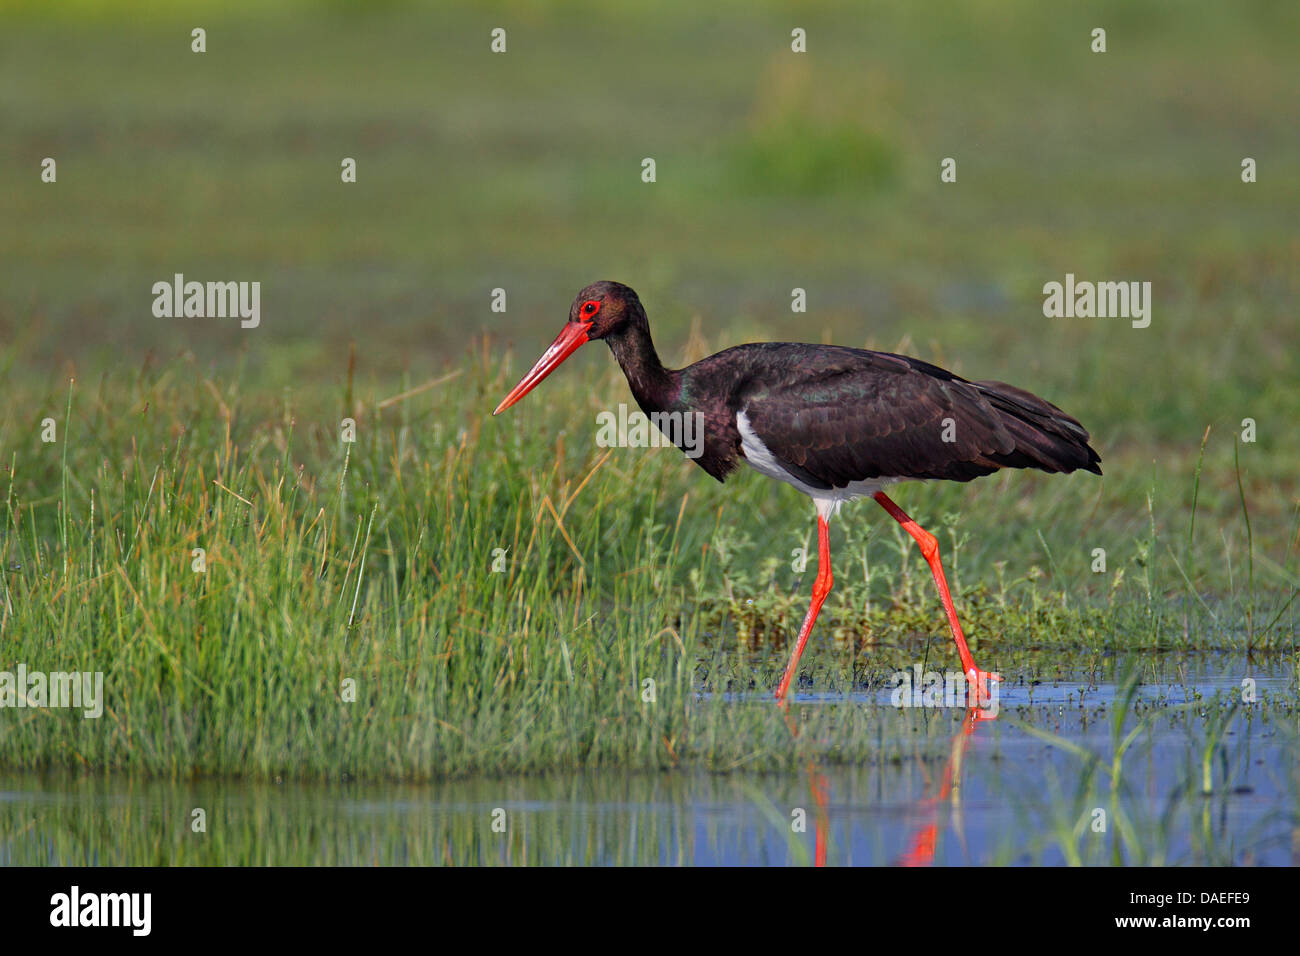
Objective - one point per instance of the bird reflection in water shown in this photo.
(921, 847)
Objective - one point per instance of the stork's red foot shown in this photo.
(977, 684)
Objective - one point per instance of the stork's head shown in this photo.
(600, 310)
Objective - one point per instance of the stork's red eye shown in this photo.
(590, 308)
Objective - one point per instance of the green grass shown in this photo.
(372, 561)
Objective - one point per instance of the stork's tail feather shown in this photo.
(1045, 437)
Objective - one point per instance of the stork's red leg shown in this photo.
(821, 588)
(930, 550)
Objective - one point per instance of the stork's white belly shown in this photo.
(827, 500)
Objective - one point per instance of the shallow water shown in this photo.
(987, 792)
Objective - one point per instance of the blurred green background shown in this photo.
(775, 170)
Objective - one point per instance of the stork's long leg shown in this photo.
(821, 588)
(930, 551)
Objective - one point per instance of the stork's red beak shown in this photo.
(566, 343)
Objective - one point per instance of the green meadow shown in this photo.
(453, 594)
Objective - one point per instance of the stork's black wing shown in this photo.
(834, 415)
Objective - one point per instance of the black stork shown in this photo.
(836, 423)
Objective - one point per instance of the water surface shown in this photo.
(951, 791)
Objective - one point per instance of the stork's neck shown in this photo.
(654, 386)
